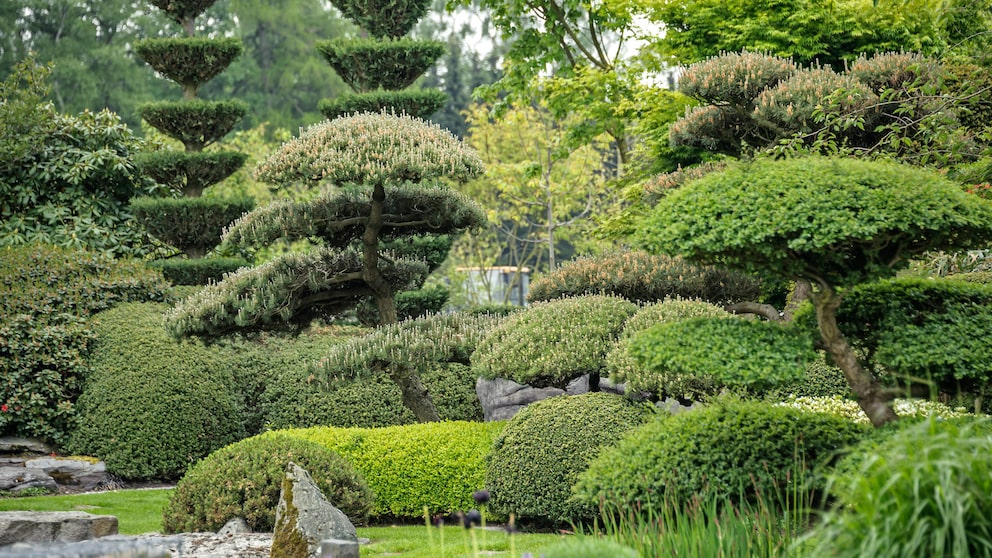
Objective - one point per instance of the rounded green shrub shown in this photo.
(588, 547)
(822, 380)
(622, 367)
(153, 406)
(244, 480)
(434, 464)
(753, 354)
(924, 491)
(641, 277)
(47, 294)
(551, 343)
(544, 448)
(731, 449)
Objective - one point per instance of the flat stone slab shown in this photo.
(48, 527)
(16, 479)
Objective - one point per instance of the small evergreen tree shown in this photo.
(191, 224)
(381, 177)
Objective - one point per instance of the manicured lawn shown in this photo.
(140, 511)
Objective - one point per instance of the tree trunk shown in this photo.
(871, 397)
(802, 291)
(415, 395)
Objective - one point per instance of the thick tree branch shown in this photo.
(765, 310)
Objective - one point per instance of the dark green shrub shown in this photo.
(728, 450)
(244, 480)
(822, 380)
(924, 491)
(190, 224)
(551, 343)
(537, 458)
(420, 103)
(371, 64)
(588, 547)
(409, 305)
(435, 464)
(180, 271)
(753, 354)
(292, 399)
(641, 277)
(194, 123)
(370, 15)
(621, 367)
(46, 294)
(189, 61)
(154, 406)
(190, 172)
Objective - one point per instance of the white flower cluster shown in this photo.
(849, 409)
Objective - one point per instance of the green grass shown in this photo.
(140, 511)
(137, 511)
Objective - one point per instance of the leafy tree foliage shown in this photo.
(65, 179)
(381, 178)
(836, 223)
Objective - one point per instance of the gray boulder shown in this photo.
(15, 479)
(304, 518)
(502, 398)
(81, 474)
(13, 444)
(235, 526)
(48, 527)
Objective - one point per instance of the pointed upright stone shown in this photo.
(305, 518)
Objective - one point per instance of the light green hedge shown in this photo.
(437, 464)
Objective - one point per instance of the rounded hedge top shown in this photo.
(551, 343)
(833, 221)
(371, 148)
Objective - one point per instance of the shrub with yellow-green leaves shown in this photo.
(552, 343)
(641, 277)
(438, 464)
(370, 148)
(623, 368)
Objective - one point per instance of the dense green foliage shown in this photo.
(552, 343)
(438, 465)
(370, 64)
(923, 329)
(189, 61)
(732, 449)
(65, 179)
(835, 220)
(622, 368)
(926, 490)
(384, 18)
(821, 380)
(194, 123)
(420, 103)
(193, 224)
(47, 293)
(152, 406)
(641, 277)
(181, 11)
(189, 172)
(544, 448)
(747, 353)
(409, 305)
(244, 480)
(181, 271)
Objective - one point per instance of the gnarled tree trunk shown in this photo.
(874, 401)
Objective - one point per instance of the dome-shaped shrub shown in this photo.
(622, 368)
(588, 547)
(542, 450)
(551, 343)
(730, 449)
(244, 480)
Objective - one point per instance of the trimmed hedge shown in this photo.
(588, 547)
(154, 406)
(368, 14)
(371, 64)
(420, 103)
(551, 343)
(753, 354)
(731, 449)
(189, 223)
(201, 271)
(622, 367)
(47, 293)
(543, 449)
(189, 61)
(244, 480)
(436, 464)
(193, 122)
(641, 277)
(189, 171)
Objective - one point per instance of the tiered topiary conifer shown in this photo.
(380, 67)
(381, 177)
(191, 223)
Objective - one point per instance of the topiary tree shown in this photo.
(544, 448)
(552, 343)
(837, 223)
(379, 67)
(383, 179)
(191, 224)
